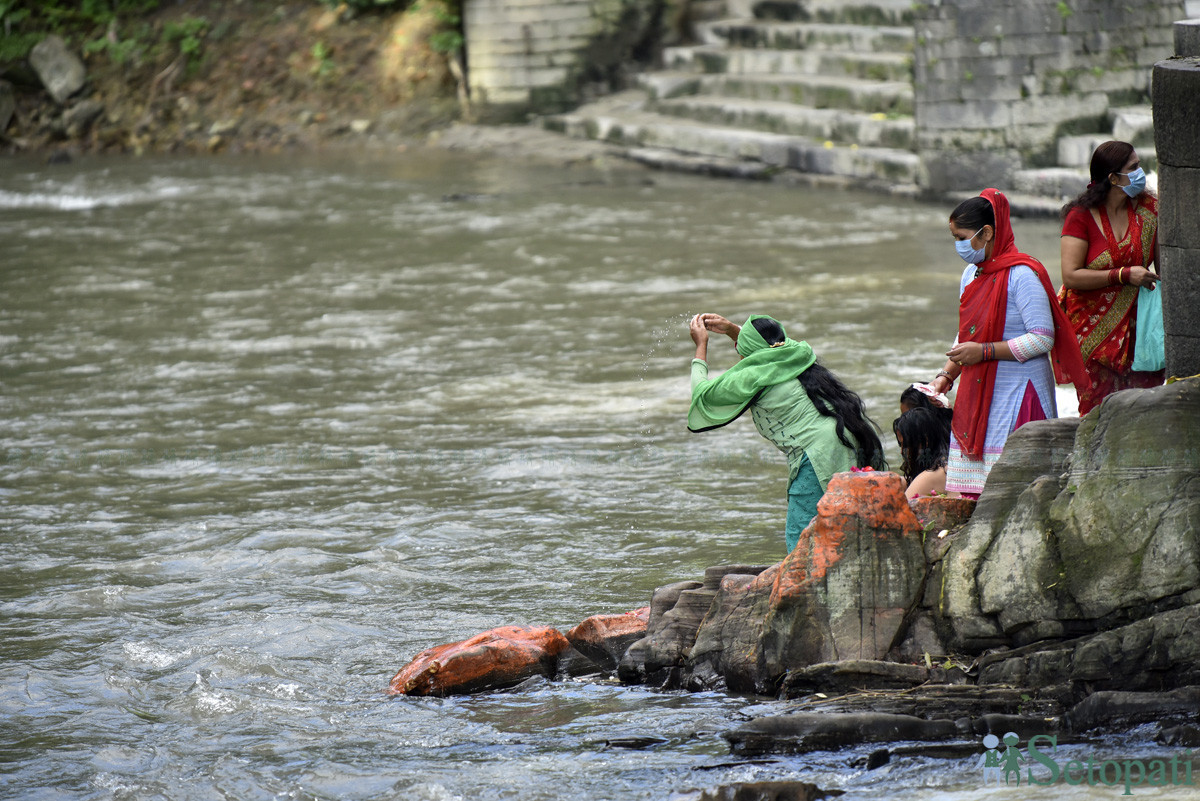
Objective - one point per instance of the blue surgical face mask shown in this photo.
(1137, 182)
(969, 254)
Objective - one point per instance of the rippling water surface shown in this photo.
(271, 427)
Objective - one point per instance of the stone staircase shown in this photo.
(822, 87)
(815, 87)
(1133, 124)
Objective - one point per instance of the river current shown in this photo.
(272, 426)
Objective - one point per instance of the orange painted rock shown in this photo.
(863, 556)
(842, 593)
(941, 513)
(605, 638)
(493, 660)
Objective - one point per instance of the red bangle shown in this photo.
(1114, 276)
(1126, 274)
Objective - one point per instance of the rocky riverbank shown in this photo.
(1065, 602)
(256, 77)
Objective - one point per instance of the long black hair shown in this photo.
(834, 399)
(924, 438)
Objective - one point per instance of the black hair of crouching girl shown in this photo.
(924, 439)
(834, 399)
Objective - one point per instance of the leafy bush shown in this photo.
(24, 23)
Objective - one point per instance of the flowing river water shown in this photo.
(273, 426)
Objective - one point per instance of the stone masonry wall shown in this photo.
(1177, 138)
(996, 82)
(540, 54)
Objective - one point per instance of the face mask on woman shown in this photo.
(969, 254)
(1137, 182)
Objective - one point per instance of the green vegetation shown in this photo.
(450, 38)
(119, 29)
(24, 23)
(323, 65)
(187, 34)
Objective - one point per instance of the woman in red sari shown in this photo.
(1108, 247)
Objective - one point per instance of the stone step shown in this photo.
(640, 129)
(742, 61)
(1022, 204)
(837, 125)
(1076, 151)
(877, 12)
(806, 36)
(1062, 183)
(817, 91)
(1133, 124)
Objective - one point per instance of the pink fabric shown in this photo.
(1031, 407)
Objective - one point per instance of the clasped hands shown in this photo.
(702, 324)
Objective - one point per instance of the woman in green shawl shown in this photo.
(796, 404)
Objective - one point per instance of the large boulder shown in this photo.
(494, 660)
(990, 541)
(1128, 520)
(59, 69)
(842, 593)
(1084, 525)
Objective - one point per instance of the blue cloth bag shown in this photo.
(1149, 348)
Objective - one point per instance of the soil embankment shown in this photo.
(252, 76)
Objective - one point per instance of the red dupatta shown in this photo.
(981, 313)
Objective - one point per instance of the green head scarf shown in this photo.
(722, 400)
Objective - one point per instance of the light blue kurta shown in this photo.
(1028, 312)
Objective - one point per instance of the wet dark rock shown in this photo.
(8, 105)
(1184, 736)
(758, 791)
(852, 674)
(655, 658)
(1024, 725)
(635, 743)
(1112, 709)
(821, 731)
(1158, 652)
(61, 71)
(572, 663)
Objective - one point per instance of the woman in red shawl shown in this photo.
(1108, 245)
(1012, 342)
